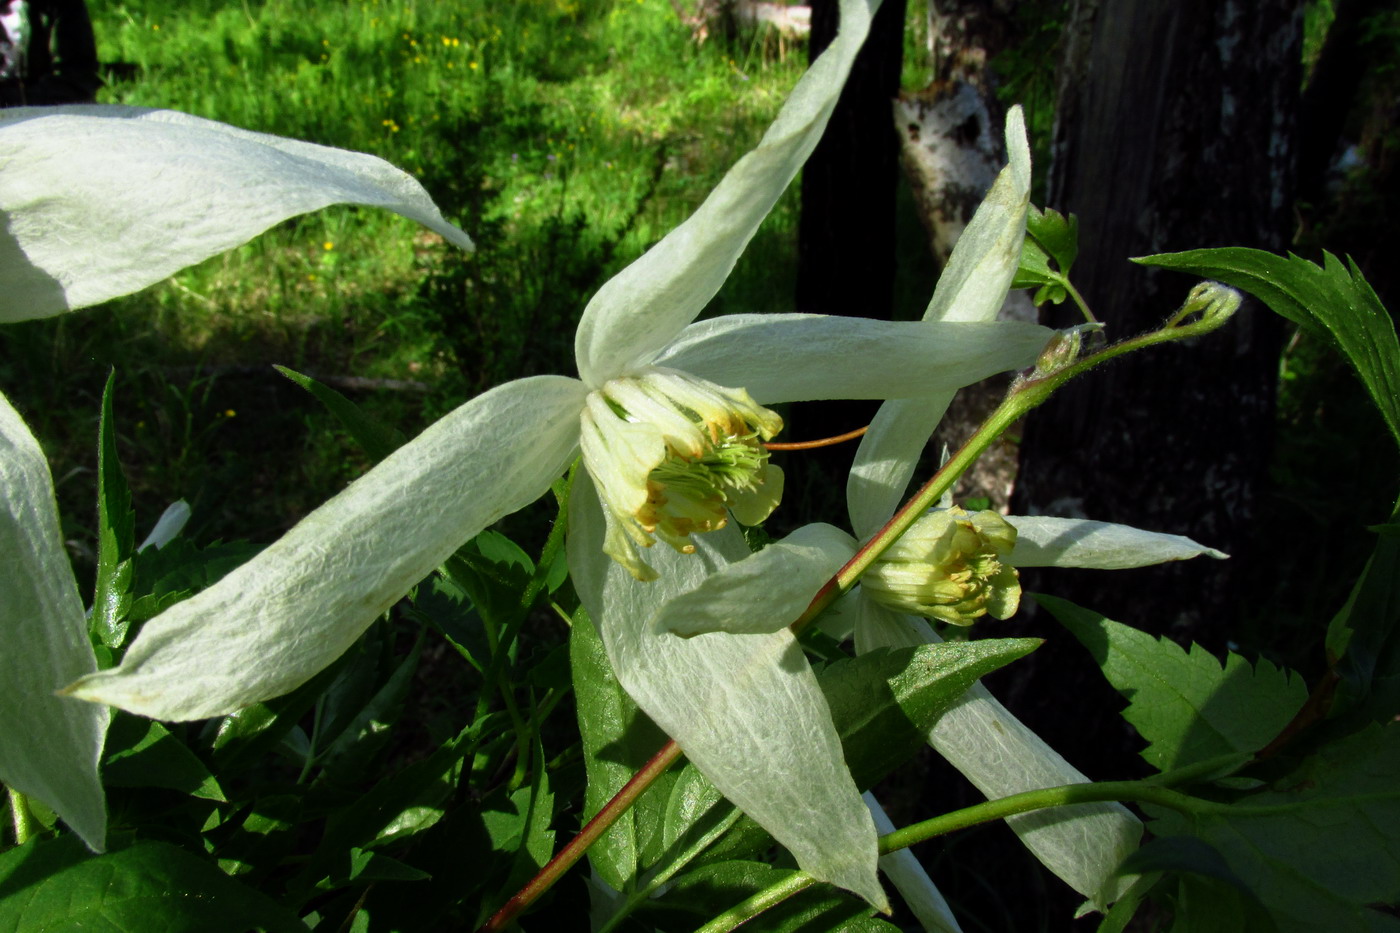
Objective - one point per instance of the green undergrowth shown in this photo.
(565, 137)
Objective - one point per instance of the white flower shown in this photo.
(652, 385)
(996, 752)
(96, 202)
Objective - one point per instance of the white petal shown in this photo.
(49, 745)
(745, 708)
(1042, 541)
(171, 522)
(276, 621)
(974, 284)
(101, 201)
(921, 895)
(761, 593)
(798, 357)
(887, 457)
(972, 288)
(1082, 844)
(644, 306)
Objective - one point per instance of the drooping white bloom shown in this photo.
(658, 398)
(97, 202)
(995, 751)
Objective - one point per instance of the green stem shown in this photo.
(1063, 796)
(23, 820)
(771, 896)
(1079, 300)
(1027, 393)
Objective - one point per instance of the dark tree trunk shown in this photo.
(846, 237)
(1175, 130)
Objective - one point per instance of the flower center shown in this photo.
(948, 566)
(673, 455)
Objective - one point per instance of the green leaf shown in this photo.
(374, 866)
(116, 533)
(377, 439)
(143, 753)
(1187, 707)
(164, 576)
(1322, 843)
(1365, 636)
(258, 843)
(247, 735)
(618, 739)
(1035, 267)
(1332, 300)
(1057, 235)
(1211, 897)
(53, 885)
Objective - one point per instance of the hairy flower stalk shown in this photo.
(950, 566)
(673, 455)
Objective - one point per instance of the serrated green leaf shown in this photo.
(1322, 843)
(377, 439)
(1187, 707)
(54, 885)
(1333, 300)
(116, 533)
(1057, 235)
(618, 739)
(143, 753)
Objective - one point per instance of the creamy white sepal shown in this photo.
(1044, 541)
(1082, 844)
(799, 357)
(277, 620)
(763, 592)
(746, 709)
(971, 289)
(986, 256)
(171, 522)
(639, 310)
(50, 746)
(920, 894)
(100, 201)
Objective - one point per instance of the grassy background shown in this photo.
(566, 137)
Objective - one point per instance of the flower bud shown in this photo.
(948, 566)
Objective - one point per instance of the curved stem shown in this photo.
(824, 442)
(770, 896)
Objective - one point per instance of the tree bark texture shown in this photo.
(1175, 130)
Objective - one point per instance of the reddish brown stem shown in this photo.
(565, 858)
(824, 442)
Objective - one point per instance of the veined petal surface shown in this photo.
(746, 709)
(1043, 541)
(1082, 844)
(99, 201)
(887, 457)
(763, 592)
(645, 305)
(800, 357)
(276, 621)
(49, 745)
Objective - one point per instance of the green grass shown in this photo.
(566, 137)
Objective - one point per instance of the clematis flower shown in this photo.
(668, 414)
(96, 202)
(1084, 844)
